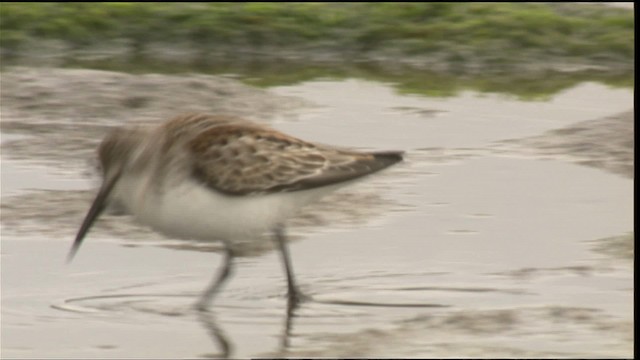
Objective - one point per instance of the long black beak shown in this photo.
(96, 209)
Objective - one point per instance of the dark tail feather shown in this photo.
(387, 158)
(365, 164)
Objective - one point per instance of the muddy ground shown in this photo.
(500, 244)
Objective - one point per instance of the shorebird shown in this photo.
(220, 178)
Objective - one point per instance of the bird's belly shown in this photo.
(190, 210)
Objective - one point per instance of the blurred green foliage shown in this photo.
(497, 30)
(522, 85)
(500, 34)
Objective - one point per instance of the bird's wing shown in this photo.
(241, 159)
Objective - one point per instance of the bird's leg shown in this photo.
(219, 337)
(218, 281)
(295, 295)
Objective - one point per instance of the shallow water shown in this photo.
(459, 251)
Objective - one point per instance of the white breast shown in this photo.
(190, 210)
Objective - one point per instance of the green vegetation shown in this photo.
(435, 49)
(524, 86)
(495, 34)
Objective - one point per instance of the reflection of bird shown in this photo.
(216, 333)
(220, 178)
(224, 344)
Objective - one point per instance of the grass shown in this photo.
(435, 49)
(494, 34)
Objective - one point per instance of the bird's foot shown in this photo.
(296, 297)
(201, 306)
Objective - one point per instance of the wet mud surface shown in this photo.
(506, 233)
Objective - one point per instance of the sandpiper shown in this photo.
(220, 178)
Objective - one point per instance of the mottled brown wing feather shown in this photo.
(361, 164)
(243, 159)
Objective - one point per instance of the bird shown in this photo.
(220, 178)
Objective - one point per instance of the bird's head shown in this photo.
(115, 154)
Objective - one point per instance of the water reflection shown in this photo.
(131, 306)
(409, 80)
(208, 319)
(220, 339)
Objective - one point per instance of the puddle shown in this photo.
(469, 248)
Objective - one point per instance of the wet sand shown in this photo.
(492, 240)
(605, 143)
